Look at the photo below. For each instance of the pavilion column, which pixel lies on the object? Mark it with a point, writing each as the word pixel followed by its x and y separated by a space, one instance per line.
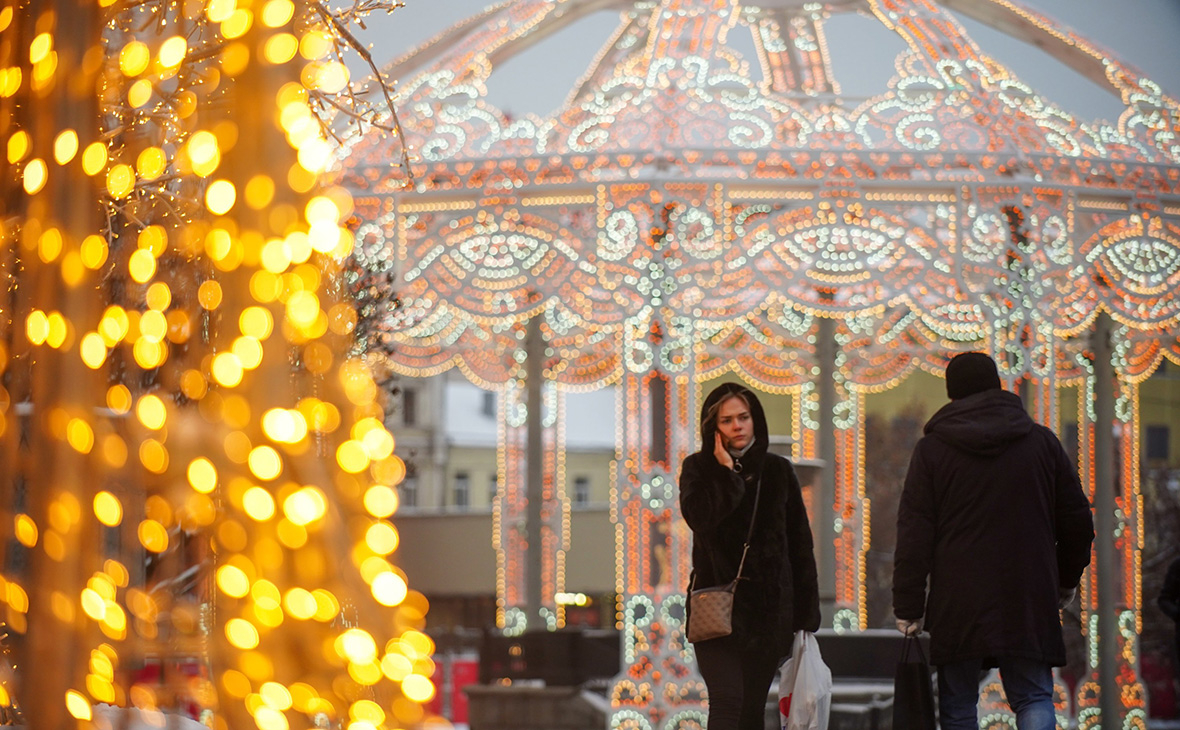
pixel 530 531
pixel 824 518
pixel 1104 492
pixel 1112 696
pixel 657 687
pixel 535 482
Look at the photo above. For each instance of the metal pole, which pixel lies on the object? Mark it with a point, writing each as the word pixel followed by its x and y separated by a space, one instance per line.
pixel 825 515
pixel 1104 524
pixel 535 352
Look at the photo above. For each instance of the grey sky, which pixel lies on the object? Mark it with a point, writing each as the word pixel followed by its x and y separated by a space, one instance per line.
pixel 1141 32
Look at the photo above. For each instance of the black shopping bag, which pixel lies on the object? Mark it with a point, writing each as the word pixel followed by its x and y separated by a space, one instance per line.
pixel 913 695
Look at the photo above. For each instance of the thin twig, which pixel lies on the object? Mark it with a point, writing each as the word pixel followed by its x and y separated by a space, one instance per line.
pixel 368 57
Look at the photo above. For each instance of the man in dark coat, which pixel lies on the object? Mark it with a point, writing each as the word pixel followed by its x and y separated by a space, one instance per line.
pixel 992 513
pixel 778 593
pixel 1169 601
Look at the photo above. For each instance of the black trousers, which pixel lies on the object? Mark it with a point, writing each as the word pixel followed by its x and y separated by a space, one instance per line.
pixel 738 683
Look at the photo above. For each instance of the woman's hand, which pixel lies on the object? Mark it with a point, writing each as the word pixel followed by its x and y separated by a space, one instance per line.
pixel 723 457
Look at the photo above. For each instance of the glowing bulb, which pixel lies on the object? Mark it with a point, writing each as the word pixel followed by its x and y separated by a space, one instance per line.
pixel 265 463
pixel 94 158
pixel 119 399
pixel 78 705
pixel 35 176
pixel 418 688
pixel 241 633
pixel 25 530
pixel 300 603
pixel 305 506
pixel 280 48
pixel 380 501
pixel 356 645
pixel 134 58
pixel 209 295
pixel 202 475
pixel 19 145
pixel 233 581
pixel 108 509
pixel 120 181
pixel 220 197
pixel 277 12
pixel 65 146
pixel 351 457
pixel 153 536
pixel 142 265
pixel 151 412
pixel 93 350
pixel 389 589
pixel 258 504
pixel 172 51
pixel 227 369
pixel 381 538
pixel 151 163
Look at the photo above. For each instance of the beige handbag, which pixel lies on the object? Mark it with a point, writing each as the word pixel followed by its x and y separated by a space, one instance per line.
pixel 711 609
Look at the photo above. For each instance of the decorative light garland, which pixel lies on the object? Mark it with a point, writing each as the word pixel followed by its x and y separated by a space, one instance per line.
pixel 220 479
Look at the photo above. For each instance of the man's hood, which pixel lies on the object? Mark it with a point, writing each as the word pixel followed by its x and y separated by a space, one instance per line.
pixel 761 430
pixel 983 423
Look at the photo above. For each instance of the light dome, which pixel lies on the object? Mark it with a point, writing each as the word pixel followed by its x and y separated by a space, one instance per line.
pixel 770 201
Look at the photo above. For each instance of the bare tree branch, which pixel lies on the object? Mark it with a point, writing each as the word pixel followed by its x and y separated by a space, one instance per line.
pixel 363 52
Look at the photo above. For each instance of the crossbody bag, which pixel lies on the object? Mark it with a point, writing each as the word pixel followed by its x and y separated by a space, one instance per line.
pixel 711 609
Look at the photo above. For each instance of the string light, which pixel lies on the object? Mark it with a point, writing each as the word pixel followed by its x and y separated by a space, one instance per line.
pixel 208 450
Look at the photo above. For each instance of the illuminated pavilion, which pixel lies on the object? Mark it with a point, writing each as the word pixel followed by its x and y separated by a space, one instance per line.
pixel 676 220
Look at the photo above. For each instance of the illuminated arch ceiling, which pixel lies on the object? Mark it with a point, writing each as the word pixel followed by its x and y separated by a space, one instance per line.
pixel 674 210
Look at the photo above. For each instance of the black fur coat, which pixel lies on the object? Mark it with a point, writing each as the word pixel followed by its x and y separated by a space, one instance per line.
pixel 778 594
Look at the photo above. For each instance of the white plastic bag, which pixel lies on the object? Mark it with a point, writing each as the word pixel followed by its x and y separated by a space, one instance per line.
pixel 805 689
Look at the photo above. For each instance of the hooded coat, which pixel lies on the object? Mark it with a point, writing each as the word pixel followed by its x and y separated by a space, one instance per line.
pixel 993 513
pixel 779 593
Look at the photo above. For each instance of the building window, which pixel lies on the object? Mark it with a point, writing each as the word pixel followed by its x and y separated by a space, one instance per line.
pixel 1157 438
pixel 493 488
pixel 409 491
pixel 462 489
pixel 581 490
pixel 409 407
pixel 488 408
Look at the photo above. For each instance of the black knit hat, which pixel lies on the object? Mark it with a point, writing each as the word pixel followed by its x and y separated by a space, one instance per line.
pixel 970 373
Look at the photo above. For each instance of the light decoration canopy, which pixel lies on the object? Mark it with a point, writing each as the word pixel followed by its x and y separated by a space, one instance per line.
pixel 683 217
pixel 676 184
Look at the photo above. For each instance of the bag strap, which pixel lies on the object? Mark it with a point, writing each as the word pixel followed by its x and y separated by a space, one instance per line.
pixel 750 532
pixel 912 639
pixel 746 547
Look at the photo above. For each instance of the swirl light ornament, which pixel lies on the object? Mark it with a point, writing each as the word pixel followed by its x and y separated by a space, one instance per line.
pixel 691 212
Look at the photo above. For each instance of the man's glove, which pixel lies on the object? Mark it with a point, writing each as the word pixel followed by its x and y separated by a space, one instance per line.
pixel 1065 596
pixel 909 628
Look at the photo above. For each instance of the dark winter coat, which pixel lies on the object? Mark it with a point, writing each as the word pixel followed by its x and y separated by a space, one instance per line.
pixel 778 594
pixel 993 513
pixel 1169 598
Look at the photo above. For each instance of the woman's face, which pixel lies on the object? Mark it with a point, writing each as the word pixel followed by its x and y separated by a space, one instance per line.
pixel 734 423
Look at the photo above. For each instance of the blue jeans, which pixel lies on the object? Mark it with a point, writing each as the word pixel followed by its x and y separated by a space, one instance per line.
pixel 1028 686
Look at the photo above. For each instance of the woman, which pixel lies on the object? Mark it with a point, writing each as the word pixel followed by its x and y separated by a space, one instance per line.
pixel 778 594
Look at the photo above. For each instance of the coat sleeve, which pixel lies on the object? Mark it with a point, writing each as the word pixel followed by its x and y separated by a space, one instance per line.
pixel 1169 599
pixel 708 493
pixel 913 558
pixel 1074 522
pixel 801 552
